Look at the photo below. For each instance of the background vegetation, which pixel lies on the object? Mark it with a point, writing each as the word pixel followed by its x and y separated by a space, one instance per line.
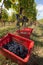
pixel 8 25
pixel 29 10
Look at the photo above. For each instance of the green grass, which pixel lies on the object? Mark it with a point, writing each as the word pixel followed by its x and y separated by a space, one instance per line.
pixel 4 31
pixel 4 61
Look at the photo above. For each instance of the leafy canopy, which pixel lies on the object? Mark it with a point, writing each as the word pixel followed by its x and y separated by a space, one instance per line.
pixel 29 7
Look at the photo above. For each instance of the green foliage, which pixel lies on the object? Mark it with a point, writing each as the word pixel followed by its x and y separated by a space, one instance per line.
pixel 0 0
pixel 13 17
pixel 7 4
pixel 9 18
pixel 15 7
pixel 12 1
pixel 4 15
pixel 29 7
pixel 11 4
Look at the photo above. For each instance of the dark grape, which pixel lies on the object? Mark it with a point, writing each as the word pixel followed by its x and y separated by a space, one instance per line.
pixel 17 16
pixel 16 48
pixel 25 19
pixel 7 46
pixel 21 9
pixel 10 48
pixel 21 49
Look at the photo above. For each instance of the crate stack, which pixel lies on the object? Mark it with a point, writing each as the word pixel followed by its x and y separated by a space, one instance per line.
pixel 22 37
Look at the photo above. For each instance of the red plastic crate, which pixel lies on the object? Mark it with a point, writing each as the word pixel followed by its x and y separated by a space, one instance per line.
pixel 26 32
pixel 26 42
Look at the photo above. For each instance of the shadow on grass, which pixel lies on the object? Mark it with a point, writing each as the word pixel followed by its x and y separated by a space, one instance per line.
pixel 36 40
pixel 35 60
pixel 36 35
pixel 38 43
pixel 41 26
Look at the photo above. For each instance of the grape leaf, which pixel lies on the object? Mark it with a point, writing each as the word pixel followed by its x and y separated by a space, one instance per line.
pixel 7 4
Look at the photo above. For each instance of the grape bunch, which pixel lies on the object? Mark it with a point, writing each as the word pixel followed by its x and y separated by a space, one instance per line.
pixel 25 19
pixel 21 9
pixel 17 49
pixel 17 16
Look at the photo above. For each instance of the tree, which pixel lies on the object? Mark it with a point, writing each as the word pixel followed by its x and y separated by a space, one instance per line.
pixel 29 8
pixel 13 17
pixel 4 16
pixel 9 19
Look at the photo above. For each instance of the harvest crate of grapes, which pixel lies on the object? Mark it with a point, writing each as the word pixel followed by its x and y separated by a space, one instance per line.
pixel 8 51
pixel 25 32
